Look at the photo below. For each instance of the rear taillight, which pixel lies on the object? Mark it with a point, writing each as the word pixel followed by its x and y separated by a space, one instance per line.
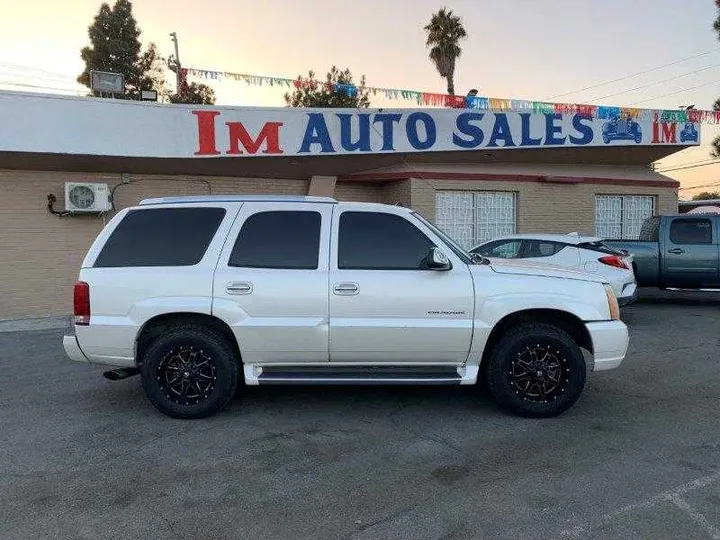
pixel 81 303
pixel 614 260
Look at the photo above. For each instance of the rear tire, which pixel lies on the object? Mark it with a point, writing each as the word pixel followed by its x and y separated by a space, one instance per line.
pixel 536 371
pixel 190 371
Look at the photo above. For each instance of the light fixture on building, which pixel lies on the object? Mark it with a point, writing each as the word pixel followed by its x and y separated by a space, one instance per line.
pixel 149 95
pixel 106 82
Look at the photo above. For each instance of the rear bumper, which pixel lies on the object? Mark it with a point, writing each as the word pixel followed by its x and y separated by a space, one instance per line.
pixel 72 349
pixel 629 295
pixel 610 343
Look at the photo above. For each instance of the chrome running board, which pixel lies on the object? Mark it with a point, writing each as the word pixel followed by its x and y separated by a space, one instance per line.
pixel 359 375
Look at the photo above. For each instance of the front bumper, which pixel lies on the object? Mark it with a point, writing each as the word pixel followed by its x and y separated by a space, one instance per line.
pixel 72 349
pixel 610 343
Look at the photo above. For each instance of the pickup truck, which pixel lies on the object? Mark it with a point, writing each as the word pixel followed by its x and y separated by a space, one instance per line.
pixel 676 252
pixel 202 295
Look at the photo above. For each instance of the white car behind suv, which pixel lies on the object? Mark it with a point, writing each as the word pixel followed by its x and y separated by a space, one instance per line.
pixel 583 253
pixel 201 294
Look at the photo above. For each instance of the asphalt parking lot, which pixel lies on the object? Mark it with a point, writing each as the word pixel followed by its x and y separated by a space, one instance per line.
pixel 637 457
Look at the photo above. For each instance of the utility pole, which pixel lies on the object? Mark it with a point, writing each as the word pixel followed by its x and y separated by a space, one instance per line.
pixel 174 63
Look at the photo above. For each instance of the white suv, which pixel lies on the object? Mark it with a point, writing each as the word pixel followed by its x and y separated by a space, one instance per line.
pixel 200 294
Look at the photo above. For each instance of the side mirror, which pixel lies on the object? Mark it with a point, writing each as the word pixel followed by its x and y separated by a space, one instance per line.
pixel 437 260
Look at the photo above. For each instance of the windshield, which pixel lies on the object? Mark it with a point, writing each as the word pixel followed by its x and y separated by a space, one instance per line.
pixel 452 244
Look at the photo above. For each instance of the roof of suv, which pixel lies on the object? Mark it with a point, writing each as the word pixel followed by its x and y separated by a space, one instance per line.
pixel 236 198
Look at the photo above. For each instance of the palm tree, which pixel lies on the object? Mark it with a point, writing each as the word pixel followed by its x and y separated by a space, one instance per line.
pixel 443 37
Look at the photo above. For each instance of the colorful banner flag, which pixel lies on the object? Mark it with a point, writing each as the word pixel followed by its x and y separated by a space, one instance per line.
pixel 471 102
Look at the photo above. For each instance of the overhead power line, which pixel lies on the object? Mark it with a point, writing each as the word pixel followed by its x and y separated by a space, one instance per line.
pixel 714 184
pixel 692 165
pixel 45 73
pixel 41 86
pixel 657 82
pixel 632 75
pixel 676 92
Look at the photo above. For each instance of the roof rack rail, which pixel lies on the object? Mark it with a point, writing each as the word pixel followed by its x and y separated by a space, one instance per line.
pixel 236 198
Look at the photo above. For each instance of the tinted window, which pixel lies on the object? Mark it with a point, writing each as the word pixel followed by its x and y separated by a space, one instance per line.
pixel 691 231
pixel 278 240
pixel 649 232
pixel 375 241
pixel 540 248
pixel 161 237
pixel 507 249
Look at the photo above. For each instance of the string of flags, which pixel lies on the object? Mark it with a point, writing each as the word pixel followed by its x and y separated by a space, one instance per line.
pixel 469 102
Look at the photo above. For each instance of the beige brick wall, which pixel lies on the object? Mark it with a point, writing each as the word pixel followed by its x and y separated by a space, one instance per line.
pixel 398 192
pixel 359 191
pixel 40 254
pixel 553 208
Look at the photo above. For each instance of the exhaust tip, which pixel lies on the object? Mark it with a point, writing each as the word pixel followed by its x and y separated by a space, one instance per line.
pixel 120 373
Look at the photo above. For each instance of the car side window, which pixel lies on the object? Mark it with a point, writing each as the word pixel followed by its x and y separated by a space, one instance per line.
pixel 379 241
pixel 509 249
pixel 691 231
pixel 161 237
pixel 283 239
pixel 541 248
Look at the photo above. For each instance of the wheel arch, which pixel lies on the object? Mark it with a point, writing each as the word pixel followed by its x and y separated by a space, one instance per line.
pixel 157 325
pixel 566 321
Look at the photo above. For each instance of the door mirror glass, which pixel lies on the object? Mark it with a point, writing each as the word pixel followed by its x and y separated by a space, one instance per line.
pixel 437 260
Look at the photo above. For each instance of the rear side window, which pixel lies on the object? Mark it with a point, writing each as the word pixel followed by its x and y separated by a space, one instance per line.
pixel 541 248
pixel 691 231
pixel 161 237
pixel 649 232
pixel 278 240
pixel 377 241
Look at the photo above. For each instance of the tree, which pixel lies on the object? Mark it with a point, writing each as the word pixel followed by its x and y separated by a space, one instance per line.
pixel 706 195
pixel 195 94
pixel 444 33
pixel 309 92
pixel 115 46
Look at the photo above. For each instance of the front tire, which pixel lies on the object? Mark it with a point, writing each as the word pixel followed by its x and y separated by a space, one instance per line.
pixel 190 371
pixel 536 371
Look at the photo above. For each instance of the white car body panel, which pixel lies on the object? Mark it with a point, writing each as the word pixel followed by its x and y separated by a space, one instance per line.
pixel 285 316
pixel 122 300
pixel 400 315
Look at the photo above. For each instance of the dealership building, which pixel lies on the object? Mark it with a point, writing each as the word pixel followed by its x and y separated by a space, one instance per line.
pixel 67 164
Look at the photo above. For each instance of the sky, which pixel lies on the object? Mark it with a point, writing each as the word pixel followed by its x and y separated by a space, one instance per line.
pixel 522 49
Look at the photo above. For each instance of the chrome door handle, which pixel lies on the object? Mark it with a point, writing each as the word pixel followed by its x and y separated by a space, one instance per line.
pixel 346 288
pixel 676 251
pixel 239 287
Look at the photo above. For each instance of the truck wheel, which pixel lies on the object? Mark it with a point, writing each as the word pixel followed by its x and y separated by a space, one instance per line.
pixel 536 370
pixel 190 371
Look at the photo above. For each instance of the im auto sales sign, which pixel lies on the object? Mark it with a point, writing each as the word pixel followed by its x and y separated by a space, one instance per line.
pixel 64 125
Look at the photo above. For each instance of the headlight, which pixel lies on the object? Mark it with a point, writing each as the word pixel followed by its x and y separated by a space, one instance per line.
pixel 612 302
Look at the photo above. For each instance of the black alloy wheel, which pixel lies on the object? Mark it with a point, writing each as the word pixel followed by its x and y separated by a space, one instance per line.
pixel 536 370
pixel 190 371
pixel 187 375
pixel 539 373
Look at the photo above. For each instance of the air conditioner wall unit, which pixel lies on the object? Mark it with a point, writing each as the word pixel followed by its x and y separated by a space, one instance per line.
pixel 84 197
